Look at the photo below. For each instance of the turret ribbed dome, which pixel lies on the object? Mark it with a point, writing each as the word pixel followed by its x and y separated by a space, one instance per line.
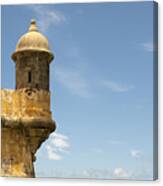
pixel 33 40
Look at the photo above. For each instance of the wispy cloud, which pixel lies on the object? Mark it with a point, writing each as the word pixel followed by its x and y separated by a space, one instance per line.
pixel 120 173
pixel 115 86
pixel 73 81
pixel 117 173
pixel 96 173
pixel 58 143
pixel 52 154
pixel 91 173
pixel 149 46
pixel 135 153
pixel 47 17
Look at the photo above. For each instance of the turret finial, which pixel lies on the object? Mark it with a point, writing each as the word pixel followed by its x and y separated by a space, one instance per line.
pixel 33 26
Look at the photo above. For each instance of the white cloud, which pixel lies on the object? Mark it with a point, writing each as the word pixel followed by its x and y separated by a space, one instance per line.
pixel 47 17
pixel 120 173
pixel 149 47
pixel 135 153
pixel 96 173
pixel 58 143
pixel 73 81
pixel 52 153
pixel 116 87
pixel 117 173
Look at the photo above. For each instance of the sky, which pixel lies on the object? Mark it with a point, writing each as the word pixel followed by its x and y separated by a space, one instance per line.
pixel 101 84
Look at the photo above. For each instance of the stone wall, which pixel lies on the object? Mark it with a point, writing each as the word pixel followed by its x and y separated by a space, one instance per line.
pixel 26 123
pixel 25 103
pixel 33 64
pixel 16 156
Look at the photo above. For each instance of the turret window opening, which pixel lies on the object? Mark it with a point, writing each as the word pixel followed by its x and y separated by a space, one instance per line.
pixel 29 77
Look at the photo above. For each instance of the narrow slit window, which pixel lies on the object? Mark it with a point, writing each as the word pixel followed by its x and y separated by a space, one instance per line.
pixel 29 77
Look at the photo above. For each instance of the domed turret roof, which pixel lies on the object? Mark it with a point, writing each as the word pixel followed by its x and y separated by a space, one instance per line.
pixel 33 40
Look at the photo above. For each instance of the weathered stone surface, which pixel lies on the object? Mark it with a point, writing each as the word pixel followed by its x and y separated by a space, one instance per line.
pixel 16 159
pixel 25 103
pixel 33 64
pixel 26 123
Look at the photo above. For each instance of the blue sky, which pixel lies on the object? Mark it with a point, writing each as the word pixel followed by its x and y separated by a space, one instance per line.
pixel 101 83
